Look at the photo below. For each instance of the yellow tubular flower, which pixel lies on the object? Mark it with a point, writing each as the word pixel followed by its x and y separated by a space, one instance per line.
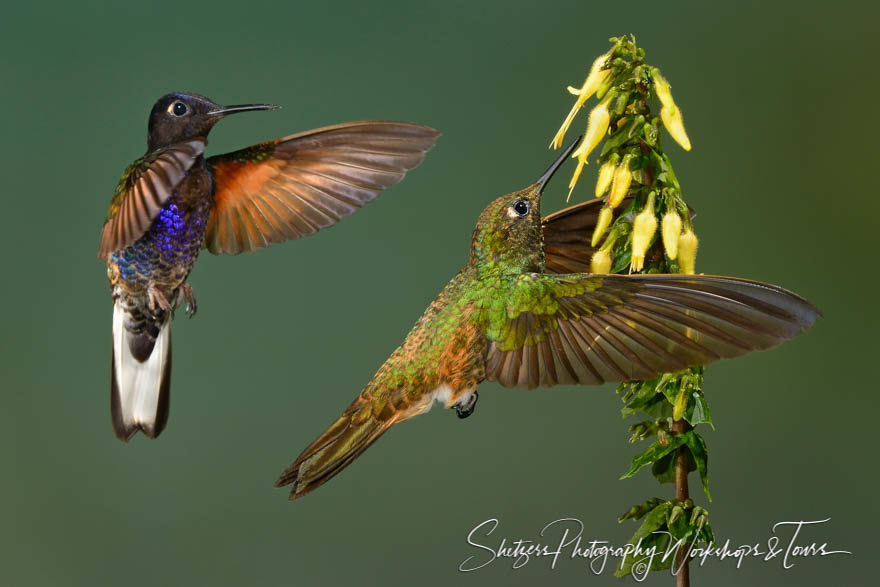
pixel 620 185
pixel 669 112
pixel 644 227
pixel 595 78
pixel 662 89
pixel 602 224
pixel 596 129
pixel 575 176
pixel 606 173
pixel 687 251
pixel 671 118
pixel 671 229
pixel 601 261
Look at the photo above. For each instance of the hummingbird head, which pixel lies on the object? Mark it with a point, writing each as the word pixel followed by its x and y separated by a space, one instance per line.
pixel 180 116
pixel 508 235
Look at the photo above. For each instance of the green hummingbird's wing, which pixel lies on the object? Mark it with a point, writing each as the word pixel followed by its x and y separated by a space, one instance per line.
pixel 145 186
pixel 295 186
pixel 592 329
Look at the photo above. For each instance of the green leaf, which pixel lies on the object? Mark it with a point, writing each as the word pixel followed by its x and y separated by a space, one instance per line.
pixel 638 392
pixel 697 447
pixel 653 453
pixel 622 259
pixel 664 469
pixel 706 535
pixel 643 395
pixel 657 407
pixel 680 527
pixel 669 385
pixel 697 411
pixel 655 521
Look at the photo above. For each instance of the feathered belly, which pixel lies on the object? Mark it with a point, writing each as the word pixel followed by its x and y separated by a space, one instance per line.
pixel 165 255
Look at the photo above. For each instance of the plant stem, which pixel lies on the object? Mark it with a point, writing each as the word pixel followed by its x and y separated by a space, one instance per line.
pixel 682 578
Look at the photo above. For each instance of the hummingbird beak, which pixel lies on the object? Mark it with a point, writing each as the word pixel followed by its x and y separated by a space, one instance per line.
pixel 227 110
pixel 556 165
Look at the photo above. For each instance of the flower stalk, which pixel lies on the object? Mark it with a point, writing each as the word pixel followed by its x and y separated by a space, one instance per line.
pixel 641 194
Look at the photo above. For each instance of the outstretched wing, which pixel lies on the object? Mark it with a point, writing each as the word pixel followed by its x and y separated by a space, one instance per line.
pixel 144 188
pixel 295 186
pixel 592 329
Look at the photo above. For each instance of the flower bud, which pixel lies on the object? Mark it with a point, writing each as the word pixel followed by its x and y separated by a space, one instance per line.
pixel 606 85
pixel 671 118
pixel 669 112
pixel 601 261
pixel 680 404
pixel 596 129
pixel 606 173
pixel 687 251
pixel 644 227
pixel 620 184
pixel 671 229
pixel 602 224
pixel 662 437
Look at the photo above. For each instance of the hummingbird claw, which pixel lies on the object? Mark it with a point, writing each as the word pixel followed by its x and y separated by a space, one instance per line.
pixel 189 297
pixel 465 409
pixel 157 299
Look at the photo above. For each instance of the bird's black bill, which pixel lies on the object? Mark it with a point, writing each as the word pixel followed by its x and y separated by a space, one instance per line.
pixel 557 164
pixel 226 110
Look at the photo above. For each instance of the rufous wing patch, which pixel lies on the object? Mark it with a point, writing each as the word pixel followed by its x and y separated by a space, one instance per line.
pixel 295 186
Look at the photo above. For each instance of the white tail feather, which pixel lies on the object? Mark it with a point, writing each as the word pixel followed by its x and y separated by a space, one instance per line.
pixel 139 385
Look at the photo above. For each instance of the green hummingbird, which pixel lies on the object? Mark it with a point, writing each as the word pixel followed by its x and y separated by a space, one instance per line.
pixel 517 314
pixel 174 201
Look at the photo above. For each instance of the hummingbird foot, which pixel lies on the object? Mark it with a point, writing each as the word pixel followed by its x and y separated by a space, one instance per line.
pixel 466 405
pixel 157 299
pixel 189 297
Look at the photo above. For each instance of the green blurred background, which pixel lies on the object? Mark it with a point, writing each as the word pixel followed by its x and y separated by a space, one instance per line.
pixel 780 103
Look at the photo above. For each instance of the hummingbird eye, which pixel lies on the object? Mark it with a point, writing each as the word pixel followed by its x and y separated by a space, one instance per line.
pixel 178 109
pixel 521 207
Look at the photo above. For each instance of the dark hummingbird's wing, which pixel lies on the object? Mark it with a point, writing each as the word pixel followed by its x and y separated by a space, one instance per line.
pixel 144 188
pixel 295 186
pixel 591 329
pixel 567 236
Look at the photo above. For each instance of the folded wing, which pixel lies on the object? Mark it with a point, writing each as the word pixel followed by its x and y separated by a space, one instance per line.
pixel 145 187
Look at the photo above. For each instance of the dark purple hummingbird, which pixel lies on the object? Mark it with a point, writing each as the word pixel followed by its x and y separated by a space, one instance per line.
pixel 173 201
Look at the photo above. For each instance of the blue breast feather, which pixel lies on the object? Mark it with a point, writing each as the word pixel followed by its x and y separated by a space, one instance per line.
pixel 168 250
